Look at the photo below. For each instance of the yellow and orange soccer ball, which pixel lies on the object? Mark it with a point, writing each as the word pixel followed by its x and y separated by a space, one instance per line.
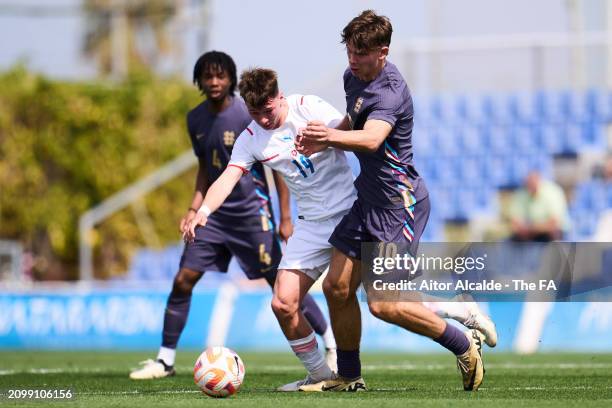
pixel 218 372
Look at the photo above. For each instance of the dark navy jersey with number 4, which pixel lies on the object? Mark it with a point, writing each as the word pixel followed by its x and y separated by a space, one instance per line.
pixel 388 178
pixel 248 207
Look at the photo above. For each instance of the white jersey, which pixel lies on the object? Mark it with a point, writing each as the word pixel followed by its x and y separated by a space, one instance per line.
pixel 322 184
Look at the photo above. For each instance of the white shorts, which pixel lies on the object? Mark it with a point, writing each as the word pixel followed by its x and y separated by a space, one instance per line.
pixel 308 249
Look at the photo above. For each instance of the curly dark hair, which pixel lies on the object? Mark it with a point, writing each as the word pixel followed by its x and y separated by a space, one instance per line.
pixel 215 60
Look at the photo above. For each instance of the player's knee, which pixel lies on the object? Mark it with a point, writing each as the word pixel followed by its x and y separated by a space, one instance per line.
pixel 379 309
pixel 183 283
pixel 283 308
pixel 335 292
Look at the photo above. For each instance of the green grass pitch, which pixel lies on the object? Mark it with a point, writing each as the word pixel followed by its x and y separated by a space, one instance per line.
pixel 100 379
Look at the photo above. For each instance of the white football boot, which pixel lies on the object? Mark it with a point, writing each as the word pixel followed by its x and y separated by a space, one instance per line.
pixel 481 322
pixel 295 386
pixel 152 369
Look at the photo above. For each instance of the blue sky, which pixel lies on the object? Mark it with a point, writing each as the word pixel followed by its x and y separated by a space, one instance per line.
pixel 298 39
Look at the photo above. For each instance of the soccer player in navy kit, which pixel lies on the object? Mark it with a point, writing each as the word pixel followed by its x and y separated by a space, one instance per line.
pixel 392 204
pixel 243 227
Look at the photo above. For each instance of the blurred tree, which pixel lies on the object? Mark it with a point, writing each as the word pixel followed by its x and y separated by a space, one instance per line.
pixel 114 28
pixel 65 147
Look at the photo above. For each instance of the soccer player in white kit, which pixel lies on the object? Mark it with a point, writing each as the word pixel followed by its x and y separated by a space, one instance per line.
pixel 322 185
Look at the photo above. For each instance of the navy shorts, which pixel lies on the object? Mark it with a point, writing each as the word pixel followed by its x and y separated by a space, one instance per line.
pixel 365 223
pixel 258 253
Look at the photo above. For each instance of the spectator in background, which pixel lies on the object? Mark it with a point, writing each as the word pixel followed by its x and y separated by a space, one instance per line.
pixel 538 212
pixel 604 171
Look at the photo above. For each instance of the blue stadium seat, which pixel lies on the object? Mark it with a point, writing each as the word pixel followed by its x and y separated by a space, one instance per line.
pixel 496 109
pixel 591 196
pixel 447 172
pixel 445 140
pixel 426 166
pixel 498 171
pixel 583 224
pixel 476 109
pixel 470 139
pixel 442 109
pixel 526 107
pixel 497 140
pixel 599 104
pixel 572 137
pixel 523 139
pixel 422 112
pixel 572 104
pixel 423 140
pixel 470 171
pixel 550 138
pixel 594 136
pixel 434 230
pixel 441 204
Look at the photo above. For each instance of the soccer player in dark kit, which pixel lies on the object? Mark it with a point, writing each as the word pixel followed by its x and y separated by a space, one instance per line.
pixel 392 206
pixel 243 227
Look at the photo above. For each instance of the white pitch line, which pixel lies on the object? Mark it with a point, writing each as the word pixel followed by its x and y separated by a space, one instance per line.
pixel 137 392
pixel 367 367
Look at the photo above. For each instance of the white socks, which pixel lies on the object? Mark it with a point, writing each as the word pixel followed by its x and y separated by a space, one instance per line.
pixel 307 351
pixel 456 310
pixel 329 339
pixel 167 355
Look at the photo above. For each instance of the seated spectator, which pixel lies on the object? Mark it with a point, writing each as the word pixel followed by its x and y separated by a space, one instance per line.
pixel 604 170
pixel 538 212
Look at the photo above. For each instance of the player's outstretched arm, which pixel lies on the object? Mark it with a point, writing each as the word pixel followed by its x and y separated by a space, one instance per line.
pixel 367 140
pixel 215 196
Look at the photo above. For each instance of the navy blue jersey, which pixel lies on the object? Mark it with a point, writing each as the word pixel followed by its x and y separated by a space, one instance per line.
pixel 248 207
pixel 388 178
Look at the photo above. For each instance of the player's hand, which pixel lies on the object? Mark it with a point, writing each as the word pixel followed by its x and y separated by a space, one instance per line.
pixel 316 131
pixel 308 147
pixel 184 224
pixel 285 229
pixel 199 219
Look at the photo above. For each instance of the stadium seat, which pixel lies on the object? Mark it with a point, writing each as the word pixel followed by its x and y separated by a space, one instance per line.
pixel 526 107
pixel 599 104
pixel 496 140
pixel 550 138
pixel 470 139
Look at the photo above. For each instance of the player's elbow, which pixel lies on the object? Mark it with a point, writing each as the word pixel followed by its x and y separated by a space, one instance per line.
pixel 372 145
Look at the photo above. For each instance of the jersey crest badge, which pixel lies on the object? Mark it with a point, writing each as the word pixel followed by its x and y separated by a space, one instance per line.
pixel 358 104
pixel 229 138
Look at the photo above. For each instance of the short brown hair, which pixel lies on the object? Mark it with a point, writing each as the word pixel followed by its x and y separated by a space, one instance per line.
pixel 257 85
pixel 368 31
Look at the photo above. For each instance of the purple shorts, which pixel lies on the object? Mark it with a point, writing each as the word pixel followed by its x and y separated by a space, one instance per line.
pixel 258 253
pixel 365 223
